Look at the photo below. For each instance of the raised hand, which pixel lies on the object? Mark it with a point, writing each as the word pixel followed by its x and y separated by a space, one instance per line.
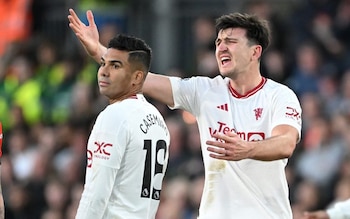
pixel 88 35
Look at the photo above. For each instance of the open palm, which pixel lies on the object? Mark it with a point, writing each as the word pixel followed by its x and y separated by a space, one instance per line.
pixel 88 35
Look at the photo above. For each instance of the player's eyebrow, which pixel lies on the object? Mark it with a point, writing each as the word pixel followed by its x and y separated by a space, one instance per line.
pixel 115 61
pixel 112 61
pixel 225 39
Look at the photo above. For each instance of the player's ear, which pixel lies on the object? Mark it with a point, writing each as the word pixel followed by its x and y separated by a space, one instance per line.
pixel 139 77
pixel 257 51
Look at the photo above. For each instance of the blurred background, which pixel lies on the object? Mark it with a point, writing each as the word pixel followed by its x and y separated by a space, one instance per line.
pixel 49 97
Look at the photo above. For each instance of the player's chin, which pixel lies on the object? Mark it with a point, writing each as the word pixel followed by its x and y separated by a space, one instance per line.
pixel 225 72
pixel 103 90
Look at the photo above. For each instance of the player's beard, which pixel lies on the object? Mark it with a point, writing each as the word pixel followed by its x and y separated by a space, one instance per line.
pixel 229 73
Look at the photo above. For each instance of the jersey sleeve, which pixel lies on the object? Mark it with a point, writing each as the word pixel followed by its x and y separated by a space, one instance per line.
pixel 185 93
pixel 107 145
pixel 109 148
pixel 108 139
pixel 287 109
pixel 341 210
pixel 93 205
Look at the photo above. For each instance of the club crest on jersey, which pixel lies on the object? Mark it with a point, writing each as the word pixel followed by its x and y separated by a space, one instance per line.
pixel 258 113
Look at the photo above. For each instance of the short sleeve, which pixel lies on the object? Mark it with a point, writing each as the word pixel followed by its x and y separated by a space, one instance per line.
pixel 287 109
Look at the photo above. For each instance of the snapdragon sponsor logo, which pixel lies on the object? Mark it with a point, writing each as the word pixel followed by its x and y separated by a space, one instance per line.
pixel 293 113
pixel 101 152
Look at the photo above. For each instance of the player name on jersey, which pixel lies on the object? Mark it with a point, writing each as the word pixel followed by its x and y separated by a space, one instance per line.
pixel 149 121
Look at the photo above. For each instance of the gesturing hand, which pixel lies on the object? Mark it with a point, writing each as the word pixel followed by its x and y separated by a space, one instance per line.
pixel 228 147
pixel 88 35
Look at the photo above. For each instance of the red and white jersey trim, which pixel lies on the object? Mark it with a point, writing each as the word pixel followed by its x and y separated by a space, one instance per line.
pixel 249 93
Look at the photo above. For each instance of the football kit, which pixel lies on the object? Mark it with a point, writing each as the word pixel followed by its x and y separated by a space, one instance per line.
pixel 127 155
pixel 340 210
pixel 248 188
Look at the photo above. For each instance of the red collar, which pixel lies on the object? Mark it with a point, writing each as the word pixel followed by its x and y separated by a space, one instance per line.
pixel 249 93
pixel 133 97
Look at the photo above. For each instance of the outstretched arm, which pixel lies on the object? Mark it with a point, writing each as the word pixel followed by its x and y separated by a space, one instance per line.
pixel 159 88
pixel 87 35
pixel 156 86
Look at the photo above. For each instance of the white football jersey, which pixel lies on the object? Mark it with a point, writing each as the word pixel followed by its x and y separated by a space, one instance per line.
pixel 127 158
pixel 248 188
pixel 340 210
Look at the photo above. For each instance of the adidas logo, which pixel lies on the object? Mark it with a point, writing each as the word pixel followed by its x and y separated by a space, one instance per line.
pixel 223 107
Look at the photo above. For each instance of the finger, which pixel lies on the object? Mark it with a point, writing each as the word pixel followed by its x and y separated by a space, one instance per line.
pixel 217 144
pixel 219 151
pixel 228 136
pixel 74 28
pixel 219 156
pixel 73 18
pixel 72 12
pixel 74 22
pixel 90 17
pixel 224 137
pixel 231 134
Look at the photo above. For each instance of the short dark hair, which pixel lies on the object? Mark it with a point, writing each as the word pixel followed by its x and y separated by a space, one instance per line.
pixel 139 52
pixel 258 30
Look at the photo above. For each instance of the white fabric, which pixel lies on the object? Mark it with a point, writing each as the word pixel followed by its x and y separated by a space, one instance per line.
pixel 126 136
pixel 248 189
pixel 341 210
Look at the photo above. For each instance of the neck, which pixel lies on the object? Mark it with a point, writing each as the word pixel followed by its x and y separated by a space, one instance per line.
pixel 245 84
pixel 124 97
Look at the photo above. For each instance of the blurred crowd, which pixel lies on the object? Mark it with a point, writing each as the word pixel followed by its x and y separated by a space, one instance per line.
pixel 48 103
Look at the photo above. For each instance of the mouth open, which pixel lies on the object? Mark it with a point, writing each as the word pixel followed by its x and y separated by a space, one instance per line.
pixel 225 60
